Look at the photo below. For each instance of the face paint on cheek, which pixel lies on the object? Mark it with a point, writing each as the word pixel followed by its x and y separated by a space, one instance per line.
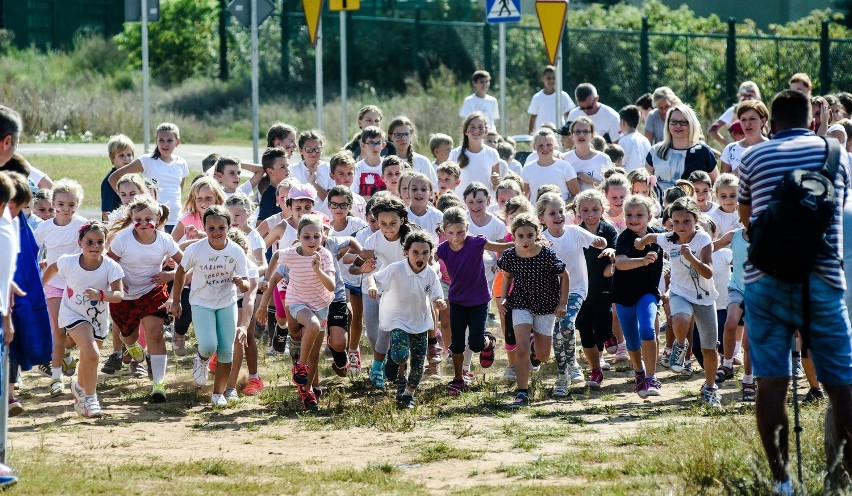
pixel 143 224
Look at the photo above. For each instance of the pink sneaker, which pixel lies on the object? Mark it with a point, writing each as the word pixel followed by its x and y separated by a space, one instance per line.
pixel 211 364
pixel 253 386
pixel 595 379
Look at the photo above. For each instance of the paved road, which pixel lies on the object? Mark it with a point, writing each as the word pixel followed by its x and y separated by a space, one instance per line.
pixel 193 154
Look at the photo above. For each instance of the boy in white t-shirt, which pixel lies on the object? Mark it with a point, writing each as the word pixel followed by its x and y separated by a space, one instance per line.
pixel 342 172
pixel 480 100
pixel 635 145
pixel 542 106
pixel 227 173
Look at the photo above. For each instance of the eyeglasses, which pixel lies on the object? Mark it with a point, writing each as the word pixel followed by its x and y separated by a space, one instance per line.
pixel 476 129
pixel 402 136
pixel 374 144
pixel 679 123
pixel 335 206
pixel 581 132
pixel 313 149
pixel 590 107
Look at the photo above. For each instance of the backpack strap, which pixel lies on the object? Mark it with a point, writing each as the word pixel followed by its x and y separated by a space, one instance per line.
pixel 832 159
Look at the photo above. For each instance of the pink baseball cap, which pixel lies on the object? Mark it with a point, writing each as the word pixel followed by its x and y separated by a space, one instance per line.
pixel 302 192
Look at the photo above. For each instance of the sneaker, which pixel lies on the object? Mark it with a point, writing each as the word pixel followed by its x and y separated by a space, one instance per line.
pixel 576 373
pixel 158 392
pixel 652 386
pixel 640 385
pixel 687 369
pixel 212 363
pixel 77 392
pixel 405 402
pixel 522 399
pixel 486 356
pixel 56 388
pixel 800 370
pixel 199 371
pixel 231 395
pixel 340 371
pixel 309 399
pixel 377 375
pixel 456 388
pixel 45 369
pixel 294 346
pixel 724 373
pixel 738 358
pixel 815 395
pixel 433 370
pixel 300 374
pixel 15 407
pixel 749 392
pixel 604 365
pixel 179 345
pixel 595 379
pixel 435 352
pixel 611 345
pixel 138 369
pixel 400 384
pixel 253 386
pixel 533 359
pixel 621 353
pixel 678 356
pixel 89 407
pixel 278 342
pixel 665 358
pixel 218 400
pixel 69 368
pixel 534 367
pixel 710 396
pixel 509 374
pixel 135 352
pixel 113 363
pixel 560 388
pixel 354 362
pixel 168 333
pixel 468 377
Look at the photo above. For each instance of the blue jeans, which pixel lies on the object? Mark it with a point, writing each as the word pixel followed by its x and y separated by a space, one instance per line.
pixel 775 312
pixel 637 321
pixel 215 330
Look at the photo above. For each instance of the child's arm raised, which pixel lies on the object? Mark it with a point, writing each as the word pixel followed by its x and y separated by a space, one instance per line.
pixel 135 166
pixel 641 243
pixel 326 279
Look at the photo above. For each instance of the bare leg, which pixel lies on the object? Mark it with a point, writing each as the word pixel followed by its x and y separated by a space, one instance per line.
pixel 773 425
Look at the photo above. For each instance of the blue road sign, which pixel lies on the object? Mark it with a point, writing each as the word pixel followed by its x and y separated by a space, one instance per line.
pixel 502 11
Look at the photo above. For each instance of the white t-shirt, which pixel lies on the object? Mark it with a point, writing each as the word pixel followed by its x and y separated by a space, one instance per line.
pixel 359 207
pixel 168 176
pixel 141 262
pixel 558 173
pixel 686 282
pixel 368 179
pixel 722 262
pixel 299 172
pixel 35 175
pixel 429 221
pixel 253 274
pixel 255 241
pixel 543 107
pixel 406 297
pixel 729 117
pixel 353 225
pixel 606 121
pixel 424 166
pixel 9 248
pixel 58 241
pixel 725 222
pixel 213 271
pixel 478 168
pixel 246 188
pixel 75 306
pixel 386 252
pixel 593 166
pixel 361 236
pixel 487 105
pixel 733 154
pixel 569 249
pixel 636 147
pixel 494 230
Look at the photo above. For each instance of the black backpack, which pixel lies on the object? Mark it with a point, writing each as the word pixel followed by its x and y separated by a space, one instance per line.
pixel 797 217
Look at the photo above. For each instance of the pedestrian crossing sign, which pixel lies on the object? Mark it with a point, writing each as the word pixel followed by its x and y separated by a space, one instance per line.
pixel 503 11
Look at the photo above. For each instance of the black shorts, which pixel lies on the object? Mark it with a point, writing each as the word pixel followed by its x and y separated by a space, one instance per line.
pixel 240 303
pixel 338 315
pixel 80 322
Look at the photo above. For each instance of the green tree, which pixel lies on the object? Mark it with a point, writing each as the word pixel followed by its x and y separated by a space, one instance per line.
pixel 183 43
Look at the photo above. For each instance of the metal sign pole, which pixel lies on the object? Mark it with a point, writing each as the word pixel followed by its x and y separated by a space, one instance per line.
pixel 343 77
pixel 559 117
pixel 255 97
pixel 503 79
pixel 146 74
pixel 318 75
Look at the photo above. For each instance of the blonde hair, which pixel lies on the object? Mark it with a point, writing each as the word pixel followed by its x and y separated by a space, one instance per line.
pixel 134 179
pixel 640 201
pixel 694 129
pixel 70 187
pixel 166 127
pixel 510 184
pixel 591 195
pixel 454 215
pixel 189 206
pixel 546 200
pixel 140 203
pixel 242 201
pixel 616 179
pixel 309 220
pixel 117 143
pixel 239 238
pixel 726 180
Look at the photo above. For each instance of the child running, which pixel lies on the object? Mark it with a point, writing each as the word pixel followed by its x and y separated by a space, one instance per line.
pixel 90 282
pixel 409 287
pixel 141 252
pixel 60 236
pixel 219 268
pixel 535 290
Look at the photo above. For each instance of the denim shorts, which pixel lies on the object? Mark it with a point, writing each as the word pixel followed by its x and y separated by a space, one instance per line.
pixel 542 324
pixel 775 312
pixel 321 314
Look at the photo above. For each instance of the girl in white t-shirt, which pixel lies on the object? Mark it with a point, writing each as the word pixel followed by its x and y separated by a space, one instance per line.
pixel 312 169
pixel 168 169
pixel 90 282
pixel 726 215
pixel 401 132
pixel 547 169
pixel 703 186
pixel 59 236
pixel 128 187
pixel 588 163
pixel 282 192
pixel 392 169
pixel 478 162
pixel 568 242
pixel 692 293
pixel 141 252
pixel 219 271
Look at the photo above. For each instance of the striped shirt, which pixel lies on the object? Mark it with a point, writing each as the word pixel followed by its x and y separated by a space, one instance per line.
pixel 763 167
pixel 305 287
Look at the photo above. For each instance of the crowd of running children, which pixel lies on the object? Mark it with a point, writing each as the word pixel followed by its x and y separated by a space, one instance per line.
pixel 426 254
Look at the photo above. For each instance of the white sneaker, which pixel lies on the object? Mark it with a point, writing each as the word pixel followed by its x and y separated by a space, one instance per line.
pixel 509 374
pixel 576 374
pixel 218 400
pixel 534 368
pixel 231 395
pixel 89 407
pixel 560 389
pixel 199 371
pixel 605 365
pixel 168 333
pixel 78 392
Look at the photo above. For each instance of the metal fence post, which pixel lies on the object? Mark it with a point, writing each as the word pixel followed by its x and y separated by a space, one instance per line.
pixel 486 47
pixel 824 60
pixel 223 40
pixel 285 42
pixel 564 56
pixel 731 59
pixel 643 56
